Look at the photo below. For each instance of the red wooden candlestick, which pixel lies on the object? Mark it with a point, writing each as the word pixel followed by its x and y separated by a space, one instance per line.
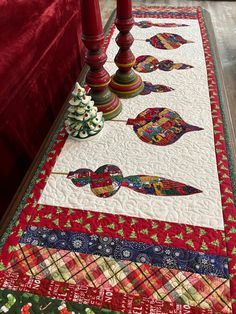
pixel 97 78
pixel 125 83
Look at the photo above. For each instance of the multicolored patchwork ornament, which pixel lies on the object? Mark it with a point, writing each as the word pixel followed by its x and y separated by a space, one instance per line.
pixel 108 179
pixel 160 126
pixel 147 64
pixel 167 41
pixel 147 24
pixel 156 88
pixel 83 120
pixel 169 65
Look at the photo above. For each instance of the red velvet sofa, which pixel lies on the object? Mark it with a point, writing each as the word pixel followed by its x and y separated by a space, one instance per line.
pixel 41 55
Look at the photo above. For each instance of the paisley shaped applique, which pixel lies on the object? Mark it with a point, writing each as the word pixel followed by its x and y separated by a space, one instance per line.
pixel 160 126
pixel 148 63
pixel 107 180
pixel 156 88
pixel 158 186
pixel 147 24
pixel 167 41
pixel 169 65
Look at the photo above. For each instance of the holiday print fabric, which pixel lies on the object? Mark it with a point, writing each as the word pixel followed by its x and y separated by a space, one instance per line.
pixel 91 234
pixel 128 250
pixel 26 303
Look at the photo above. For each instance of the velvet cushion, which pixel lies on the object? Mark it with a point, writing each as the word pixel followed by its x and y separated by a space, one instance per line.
pixel 41 55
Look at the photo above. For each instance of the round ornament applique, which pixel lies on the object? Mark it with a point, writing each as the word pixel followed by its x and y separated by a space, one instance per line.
pixel 160 126
pixel 146 64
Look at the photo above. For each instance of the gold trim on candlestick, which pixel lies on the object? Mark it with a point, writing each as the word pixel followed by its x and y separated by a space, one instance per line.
pixel 98 85
pixel 125 65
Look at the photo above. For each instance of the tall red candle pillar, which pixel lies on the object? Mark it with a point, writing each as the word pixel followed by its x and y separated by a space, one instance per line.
pixel 125 83
pixel 97 78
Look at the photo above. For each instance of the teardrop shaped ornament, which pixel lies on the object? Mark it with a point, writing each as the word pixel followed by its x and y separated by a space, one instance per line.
pixel 167 41
pixel 155 88
pixel 160 126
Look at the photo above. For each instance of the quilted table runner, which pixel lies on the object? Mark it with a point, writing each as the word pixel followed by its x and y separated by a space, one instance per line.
pixel 141 218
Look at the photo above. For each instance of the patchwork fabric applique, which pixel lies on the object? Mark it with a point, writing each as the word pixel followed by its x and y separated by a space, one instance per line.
pixel 147 24
pixel 167 41
pixel 169 65
pixel 108 179
pixel 148 63
pixel 156 88
pixel 160 126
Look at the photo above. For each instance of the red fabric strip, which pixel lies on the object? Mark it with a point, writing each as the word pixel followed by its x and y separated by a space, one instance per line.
pixel 93 296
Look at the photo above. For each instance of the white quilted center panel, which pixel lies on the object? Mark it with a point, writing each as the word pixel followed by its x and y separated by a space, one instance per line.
pixel 190 160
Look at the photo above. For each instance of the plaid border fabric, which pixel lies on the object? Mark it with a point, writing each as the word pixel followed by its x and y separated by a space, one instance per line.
pixel 122 276
pixel 126 303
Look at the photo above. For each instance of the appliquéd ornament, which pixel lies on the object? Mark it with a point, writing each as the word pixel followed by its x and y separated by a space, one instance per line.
pixel 160 126
pixel 108 179
pixel 83 119
pixel 155 88
pixel 167 41
pixel 148 63
pixel 147 24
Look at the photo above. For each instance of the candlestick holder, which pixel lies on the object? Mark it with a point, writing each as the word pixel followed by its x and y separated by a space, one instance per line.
pixel 125 82
pixel 97 77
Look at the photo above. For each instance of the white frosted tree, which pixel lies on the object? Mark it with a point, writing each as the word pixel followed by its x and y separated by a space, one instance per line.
pixel 83 120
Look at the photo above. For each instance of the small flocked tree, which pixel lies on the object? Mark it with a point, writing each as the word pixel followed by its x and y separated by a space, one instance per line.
pixel 83 120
